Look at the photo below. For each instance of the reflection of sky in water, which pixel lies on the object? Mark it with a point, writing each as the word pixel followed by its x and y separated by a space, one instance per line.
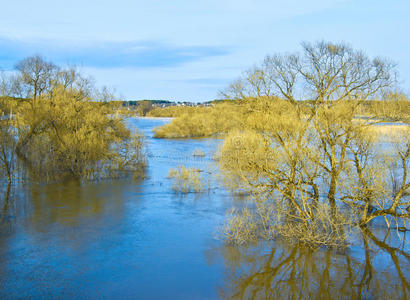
pixel 137 239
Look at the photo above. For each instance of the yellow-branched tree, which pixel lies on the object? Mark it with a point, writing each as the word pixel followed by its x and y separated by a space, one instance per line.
pixel 65 134
pixel 314 166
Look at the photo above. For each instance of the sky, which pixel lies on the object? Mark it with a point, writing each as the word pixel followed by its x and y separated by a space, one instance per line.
pixel 184 50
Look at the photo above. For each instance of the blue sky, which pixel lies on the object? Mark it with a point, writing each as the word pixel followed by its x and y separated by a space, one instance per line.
pixel 189 50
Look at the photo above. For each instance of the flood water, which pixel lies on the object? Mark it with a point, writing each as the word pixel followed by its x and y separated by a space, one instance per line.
pixel 137 239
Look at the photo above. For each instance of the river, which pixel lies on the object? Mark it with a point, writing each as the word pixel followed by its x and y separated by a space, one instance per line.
pixel 137 239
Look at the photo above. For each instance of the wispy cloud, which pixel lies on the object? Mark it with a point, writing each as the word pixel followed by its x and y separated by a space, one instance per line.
pixel 189 50
pixel 132 54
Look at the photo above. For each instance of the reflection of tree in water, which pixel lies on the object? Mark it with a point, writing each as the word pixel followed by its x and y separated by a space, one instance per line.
pixel 66 203
pixel 6 215
pixel 63 203
pixel 295 272
pixel 70 202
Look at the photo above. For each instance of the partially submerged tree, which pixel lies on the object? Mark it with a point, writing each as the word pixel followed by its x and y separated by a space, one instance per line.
pixel 64 136
pixel 59 131
pixel 297 156
pixel 7 146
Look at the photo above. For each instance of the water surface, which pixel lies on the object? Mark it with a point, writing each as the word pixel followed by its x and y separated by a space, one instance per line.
pixel 137 239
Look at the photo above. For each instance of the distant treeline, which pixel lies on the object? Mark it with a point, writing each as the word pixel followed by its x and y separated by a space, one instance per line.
pixel 130 103
pixel 138 102
pixel 388 110
pixel 391 109
pixel 162 108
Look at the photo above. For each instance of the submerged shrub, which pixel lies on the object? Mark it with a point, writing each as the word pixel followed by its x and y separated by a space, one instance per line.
pixel 186 180
pixel 198 153
pixel 270 221
pixel 64 134
pixel 323 229
pixel 241 227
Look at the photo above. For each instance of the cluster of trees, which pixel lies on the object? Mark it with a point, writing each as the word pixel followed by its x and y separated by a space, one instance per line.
pixel 315 168
pixel 311 175
pixel 301 139
pixel 202 121
pixel 35 77
pixel 56 130
pixel 172 111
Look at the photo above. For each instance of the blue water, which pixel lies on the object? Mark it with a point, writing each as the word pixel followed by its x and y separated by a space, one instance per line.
pixel 137 239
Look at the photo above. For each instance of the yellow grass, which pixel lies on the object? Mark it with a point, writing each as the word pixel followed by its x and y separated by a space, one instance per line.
pixel 389 130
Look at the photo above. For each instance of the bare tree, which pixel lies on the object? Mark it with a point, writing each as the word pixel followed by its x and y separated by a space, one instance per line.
pixel 105 94
pixel 70 78
pixel 5 84
pixel 37 74
pixel 11 85
pixel 323 71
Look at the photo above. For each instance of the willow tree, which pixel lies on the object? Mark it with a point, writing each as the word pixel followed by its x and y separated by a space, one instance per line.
pixel 68 135
pixel 301 155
